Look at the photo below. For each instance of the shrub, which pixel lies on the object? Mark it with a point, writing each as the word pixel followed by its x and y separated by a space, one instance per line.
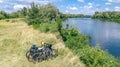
pixel 91 56
pixel 42 14
pixel 2 17
pixel 95 57
pixel 36 26
pixel 47 27
pixel 7 20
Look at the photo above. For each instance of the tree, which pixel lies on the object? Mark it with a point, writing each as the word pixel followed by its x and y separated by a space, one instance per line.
pixel 33 14
pixel 3 15
pixel 24 11
pixel 42 14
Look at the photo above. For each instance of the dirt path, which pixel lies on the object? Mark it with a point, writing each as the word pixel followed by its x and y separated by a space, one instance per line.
pixel 17 38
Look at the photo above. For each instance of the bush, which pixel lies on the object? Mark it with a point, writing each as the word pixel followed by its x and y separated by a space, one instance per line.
pixel 47 27
pixel 7 20
pixel 95 57
pixel 59 24
pixel 42 14
pixel 36 26
pixel 2 17
pixel 91 56
pixel 74 32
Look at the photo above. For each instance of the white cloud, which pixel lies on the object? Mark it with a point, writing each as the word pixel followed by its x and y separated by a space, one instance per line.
pixel 40 1
pixel 1 1
pixel 107 9
pixel 14 5
pixel 88 6
pixel 89 3
pixel 115 1
pixel 86 9
pixel 80 0
pixel 73 8
pixel 19 6
pixel 66 11
pixel 117 8
pixel 108 3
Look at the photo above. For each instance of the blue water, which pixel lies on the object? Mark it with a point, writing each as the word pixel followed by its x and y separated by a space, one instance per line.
pixel 106 34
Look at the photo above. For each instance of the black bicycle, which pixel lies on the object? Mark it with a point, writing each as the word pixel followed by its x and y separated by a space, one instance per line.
pixel 38 54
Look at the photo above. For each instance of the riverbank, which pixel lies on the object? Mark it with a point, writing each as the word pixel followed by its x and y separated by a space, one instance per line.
pixel 90 56
pixel 79 45
pixel 16 39
pixel 103 33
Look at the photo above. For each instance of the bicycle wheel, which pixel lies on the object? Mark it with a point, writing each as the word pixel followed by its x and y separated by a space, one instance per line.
pixel 28 56
pixel 41 58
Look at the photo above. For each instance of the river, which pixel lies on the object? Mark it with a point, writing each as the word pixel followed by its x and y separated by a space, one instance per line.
pixel 106 34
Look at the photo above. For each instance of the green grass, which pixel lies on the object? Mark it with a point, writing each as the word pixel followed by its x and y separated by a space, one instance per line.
pixel 45 27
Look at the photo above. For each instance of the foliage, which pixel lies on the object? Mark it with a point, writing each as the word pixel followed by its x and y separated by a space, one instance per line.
pixel 15 15
pixel 95 57
pixel 3 15
pixel 18 14
pixel 59 24
pixel 24 11
pixel 42 14
pixel 91 56
pixel 77 16
pixel 46 18
pixel 109 16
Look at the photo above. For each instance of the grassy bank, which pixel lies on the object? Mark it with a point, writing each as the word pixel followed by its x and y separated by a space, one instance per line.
pixel 90 56
pixel 16 38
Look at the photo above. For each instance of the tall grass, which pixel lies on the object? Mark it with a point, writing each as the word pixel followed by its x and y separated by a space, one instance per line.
pixel 17 38
pixel 46 27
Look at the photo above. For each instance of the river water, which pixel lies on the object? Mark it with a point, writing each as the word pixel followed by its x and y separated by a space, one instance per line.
pixel 106 34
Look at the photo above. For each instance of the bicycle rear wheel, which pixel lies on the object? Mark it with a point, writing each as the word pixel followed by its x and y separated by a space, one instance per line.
pixel 28 56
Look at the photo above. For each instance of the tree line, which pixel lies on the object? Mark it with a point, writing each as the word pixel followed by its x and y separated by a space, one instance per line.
pixel 108 16
pixel 18 14
pixel 77 16
pixel 47 12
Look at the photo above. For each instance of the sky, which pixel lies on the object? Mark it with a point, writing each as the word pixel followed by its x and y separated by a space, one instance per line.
pixel 87 7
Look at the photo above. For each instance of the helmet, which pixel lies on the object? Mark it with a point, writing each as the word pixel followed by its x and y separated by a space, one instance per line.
pixel 42 42
pixel 33 45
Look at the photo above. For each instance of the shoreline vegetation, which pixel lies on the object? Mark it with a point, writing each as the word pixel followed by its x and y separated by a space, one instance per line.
pixel 48 19
pixel 107 16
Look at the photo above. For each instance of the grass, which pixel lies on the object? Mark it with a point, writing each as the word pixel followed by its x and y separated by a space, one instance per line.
pixel 46 27
pixel 16 38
